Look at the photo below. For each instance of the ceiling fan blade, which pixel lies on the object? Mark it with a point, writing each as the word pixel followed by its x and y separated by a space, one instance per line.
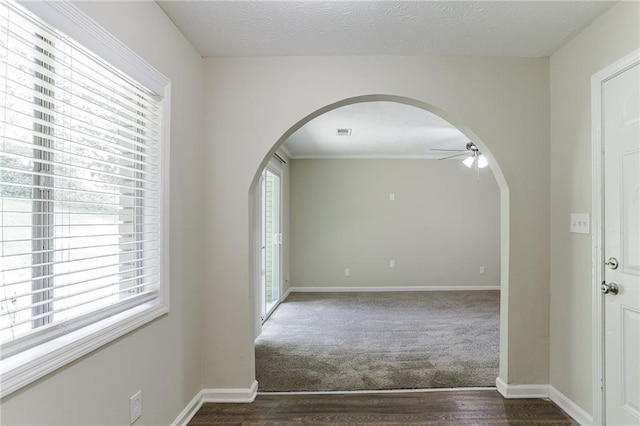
pixel 450 150
pixel 451 156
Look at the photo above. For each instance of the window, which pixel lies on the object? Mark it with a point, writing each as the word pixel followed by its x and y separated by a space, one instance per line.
pixel 83 198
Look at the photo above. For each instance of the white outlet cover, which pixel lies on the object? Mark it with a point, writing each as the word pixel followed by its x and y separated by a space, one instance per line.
pixel 580 223
pixel 135 404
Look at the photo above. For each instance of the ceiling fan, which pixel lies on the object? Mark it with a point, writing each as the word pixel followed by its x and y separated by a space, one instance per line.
pixel 474 156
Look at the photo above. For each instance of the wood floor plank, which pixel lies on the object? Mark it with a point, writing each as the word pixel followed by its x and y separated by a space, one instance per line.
pixel 479 407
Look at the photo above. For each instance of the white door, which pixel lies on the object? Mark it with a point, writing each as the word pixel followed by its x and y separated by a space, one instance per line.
pixel 621 209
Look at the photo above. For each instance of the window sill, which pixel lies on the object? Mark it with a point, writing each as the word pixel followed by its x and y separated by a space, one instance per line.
pixel 28 366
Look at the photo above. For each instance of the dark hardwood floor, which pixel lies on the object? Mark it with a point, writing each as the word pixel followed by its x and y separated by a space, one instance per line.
pixel 473 407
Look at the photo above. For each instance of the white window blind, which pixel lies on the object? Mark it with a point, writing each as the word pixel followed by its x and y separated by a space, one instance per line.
pixel 81 186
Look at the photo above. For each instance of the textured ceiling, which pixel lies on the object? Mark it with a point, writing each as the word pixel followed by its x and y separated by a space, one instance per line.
pixel 368 27
pixel 379 129
pixel 310 28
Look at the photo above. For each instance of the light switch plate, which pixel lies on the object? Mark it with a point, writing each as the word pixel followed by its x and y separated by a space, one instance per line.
pixel 580 223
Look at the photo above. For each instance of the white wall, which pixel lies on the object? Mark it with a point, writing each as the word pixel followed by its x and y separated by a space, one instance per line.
pixel 163 358
pixel 443 225
pixel 609 38
pixel 251 102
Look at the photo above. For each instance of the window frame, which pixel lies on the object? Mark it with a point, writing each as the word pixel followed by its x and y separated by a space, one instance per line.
pixel 27 366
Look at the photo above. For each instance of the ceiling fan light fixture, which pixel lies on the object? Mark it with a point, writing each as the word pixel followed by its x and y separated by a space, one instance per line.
pixel 469 161
pixel 482 161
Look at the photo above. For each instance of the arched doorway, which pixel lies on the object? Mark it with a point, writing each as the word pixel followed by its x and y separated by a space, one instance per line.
pixel 504 198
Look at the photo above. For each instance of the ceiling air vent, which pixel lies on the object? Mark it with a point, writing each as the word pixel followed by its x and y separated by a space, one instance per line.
pixel 343 132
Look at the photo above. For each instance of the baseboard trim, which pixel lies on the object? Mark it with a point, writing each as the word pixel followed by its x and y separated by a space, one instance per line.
pixel 239 395
pixel 379 391
pixel 242 395
pixel 521 391
pixel 231 395
pixel 570 407
pixel 388 288
pixel 189 411
pixel 285 295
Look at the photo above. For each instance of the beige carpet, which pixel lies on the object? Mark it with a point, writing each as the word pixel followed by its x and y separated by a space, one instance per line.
pixel 386 340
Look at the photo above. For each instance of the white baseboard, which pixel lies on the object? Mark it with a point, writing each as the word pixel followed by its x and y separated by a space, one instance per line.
pixel 231 395
pixel 521 391
pixel 241 395
pixel 545 391
pixel 388 288
pixel 189 411
pixel 570 407
pixel 285 295
pixel 379 391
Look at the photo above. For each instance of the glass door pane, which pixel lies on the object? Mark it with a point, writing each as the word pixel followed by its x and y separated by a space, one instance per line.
pixel 272 240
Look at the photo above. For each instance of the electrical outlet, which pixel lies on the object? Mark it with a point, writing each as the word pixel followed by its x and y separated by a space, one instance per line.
pixel 482 270
pixel 392 263
pixel 347 272
pixel 135 403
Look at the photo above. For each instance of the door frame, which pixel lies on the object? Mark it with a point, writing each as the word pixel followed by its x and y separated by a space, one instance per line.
pixel 275 167
pixel 597 80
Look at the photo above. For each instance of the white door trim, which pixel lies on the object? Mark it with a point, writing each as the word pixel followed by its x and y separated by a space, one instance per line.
pixel 597 80
pixel 275 166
